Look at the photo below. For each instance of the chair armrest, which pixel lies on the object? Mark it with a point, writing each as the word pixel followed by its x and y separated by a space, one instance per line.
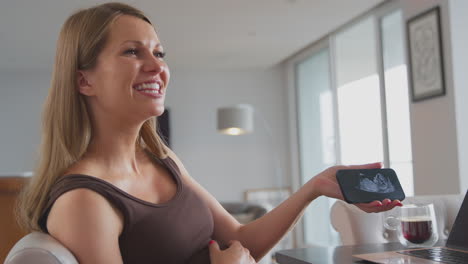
pixel 39 248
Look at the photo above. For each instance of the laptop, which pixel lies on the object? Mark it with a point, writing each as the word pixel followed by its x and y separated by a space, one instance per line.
pixel 455 250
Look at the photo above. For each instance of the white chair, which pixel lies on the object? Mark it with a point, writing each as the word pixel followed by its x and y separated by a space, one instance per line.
pixel 357 227
pixel 39 248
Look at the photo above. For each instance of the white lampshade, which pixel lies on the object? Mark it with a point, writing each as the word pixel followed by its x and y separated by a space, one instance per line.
pixel 236 120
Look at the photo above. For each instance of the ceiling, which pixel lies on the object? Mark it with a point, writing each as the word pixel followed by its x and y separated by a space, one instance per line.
pixel 205 34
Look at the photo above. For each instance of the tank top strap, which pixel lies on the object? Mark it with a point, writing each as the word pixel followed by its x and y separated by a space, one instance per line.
pixel 171 165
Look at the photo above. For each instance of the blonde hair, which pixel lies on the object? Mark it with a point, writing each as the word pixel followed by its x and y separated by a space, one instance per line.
pixel 66 126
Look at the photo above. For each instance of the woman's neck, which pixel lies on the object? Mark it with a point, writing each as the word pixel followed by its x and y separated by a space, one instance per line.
pixel 115 149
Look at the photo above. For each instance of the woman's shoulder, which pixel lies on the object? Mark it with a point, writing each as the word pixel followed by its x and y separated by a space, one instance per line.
pixel 81 201
pixel 84 206
pixel 71 194
pixel 80 195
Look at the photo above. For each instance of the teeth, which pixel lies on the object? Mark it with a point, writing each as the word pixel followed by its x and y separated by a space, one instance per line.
pixel 151 91
pixel 147 86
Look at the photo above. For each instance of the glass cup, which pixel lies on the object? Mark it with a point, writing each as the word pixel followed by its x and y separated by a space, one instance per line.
pixel 415 224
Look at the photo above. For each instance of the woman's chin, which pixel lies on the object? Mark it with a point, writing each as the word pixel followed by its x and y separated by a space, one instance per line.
pixel 158 111
pixel 154 112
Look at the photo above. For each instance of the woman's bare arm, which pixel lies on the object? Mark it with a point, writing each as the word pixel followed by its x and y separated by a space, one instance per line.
pixel 85 223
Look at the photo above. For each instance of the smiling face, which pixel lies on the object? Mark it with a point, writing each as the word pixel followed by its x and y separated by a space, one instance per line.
pixel 130 78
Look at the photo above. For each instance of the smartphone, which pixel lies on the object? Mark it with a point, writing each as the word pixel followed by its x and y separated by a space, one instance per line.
pixel 367 185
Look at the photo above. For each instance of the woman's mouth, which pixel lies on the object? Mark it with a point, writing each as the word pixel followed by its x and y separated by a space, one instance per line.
pixel 151 89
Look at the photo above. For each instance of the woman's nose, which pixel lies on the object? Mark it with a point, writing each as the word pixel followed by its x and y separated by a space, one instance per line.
pixel 154 64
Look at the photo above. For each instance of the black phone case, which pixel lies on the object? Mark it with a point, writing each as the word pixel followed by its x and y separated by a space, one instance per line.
pixel 367 185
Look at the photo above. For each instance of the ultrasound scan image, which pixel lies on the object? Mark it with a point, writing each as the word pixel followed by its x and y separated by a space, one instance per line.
pixel 378 184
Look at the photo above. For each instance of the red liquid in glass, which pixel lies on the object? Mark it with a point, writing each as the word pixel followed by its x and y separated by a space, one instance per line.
pixel 417 231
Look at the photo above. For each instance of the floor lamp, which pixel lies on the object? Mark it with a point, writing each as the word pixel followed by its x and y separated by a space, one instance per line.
pixel 236 120
pixel 239 120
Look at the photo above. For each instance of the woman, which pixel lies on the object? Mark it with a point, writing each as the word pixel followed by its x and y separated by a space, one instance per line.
pixel 107 187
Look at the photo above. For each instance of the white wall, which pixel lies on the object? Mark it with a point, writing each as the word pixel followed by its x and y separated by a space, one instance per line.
pixel 228 165
pixel 433 123
pixel 21 96
pixel 458 22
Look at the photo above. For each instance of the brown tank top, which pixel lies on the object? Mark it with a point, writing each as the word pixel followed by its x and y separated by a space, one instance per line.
pixel 177 231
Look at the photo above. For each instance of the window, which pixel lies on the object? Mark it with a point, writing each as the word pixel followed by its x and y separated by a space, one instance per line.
pixel 397 100
pixel 352 107
pixel 316 131
pixel 358 93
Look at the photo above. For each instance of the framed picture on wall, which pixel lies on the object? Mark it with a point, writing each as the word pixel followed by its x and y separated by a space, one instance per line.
pixel 426 64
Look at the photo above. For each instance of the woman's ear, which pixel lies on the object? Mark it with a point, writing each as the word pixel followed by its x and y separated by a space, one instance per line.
pixel 84 86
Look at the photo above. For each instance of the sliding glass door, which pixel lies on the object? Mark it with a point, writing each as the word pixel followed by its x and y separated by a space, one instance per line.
pixel 352 107
pixel 397 99
pixel 316 133
pixel 358 92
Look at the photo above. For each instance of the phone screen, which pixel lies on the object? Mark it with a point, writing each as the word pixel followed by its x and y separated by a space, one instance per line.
pixel 365 186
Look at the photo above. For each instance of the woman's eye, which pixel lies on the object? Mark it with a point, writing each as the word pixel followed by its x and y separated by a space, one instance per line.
pixel 131 52
pixel 159 54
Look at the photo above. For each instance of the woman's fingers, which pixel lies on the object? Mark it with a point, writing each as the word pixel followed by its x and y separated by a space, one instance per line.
pixel 331 172
pixel 235 253
pixel 379 206
pixel 373 165
pixel 388 204
pixel 213 246
pixel 375 204
pixel 233 243
pixel 391 204
pixel 370 207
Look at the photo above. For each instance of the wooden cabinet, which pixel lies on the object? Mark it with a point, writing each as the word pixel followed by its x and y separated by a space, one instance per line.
pixel 10 232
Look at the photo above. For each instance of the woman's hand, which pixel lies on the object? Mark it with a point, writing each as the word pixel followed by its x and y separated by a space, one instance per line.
pixel 234 254
pixel 326 184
